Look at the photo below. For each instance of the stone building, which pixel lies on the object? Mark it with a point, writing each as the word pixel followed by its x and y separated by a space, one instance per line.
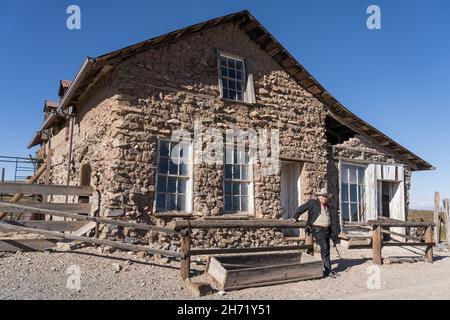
pixel 113 130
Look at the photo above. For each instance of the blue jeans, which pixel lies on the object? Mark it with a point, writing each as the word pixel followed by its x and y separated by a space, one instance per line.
pixel 322 237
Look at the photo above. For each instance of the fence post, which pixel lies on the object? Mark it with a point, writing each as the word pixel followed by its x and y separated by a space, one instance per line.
pixel 436 220
pixel 376 244
pixel 2 180
pixel 447 219
pixel 429 239
pixel 185 263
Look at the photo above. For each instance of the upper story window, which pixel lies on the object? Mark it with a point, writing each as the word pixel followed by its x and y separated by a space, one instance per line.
pixel 238 182
pixel 352 193
pixel 174 178
pixel 236 84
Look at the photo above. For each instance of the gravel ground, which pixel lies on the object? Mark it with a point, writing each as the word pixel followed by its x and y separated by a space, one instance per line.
pixel 42 275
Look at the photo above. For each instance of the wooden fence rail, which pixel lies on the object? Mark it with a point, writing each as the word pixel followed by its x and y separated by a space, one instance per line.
pixel 377 239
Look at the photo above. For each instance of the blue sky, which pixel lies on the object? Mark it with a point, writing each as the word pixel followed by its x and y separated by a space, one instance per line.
pixel 396 78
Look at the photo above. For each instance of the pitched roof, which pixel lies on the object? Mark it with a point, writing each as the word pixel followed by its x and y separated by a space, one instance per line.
pixel 50 105
pixel 63 86
pixel 94 68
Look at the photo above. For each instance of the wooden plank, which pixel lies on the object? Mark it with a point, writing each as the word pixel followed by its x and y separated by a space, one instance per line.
pixel 215 251
pixel 185 263
pixel 19 195
pixel 83 208
pixel 27 245
pixel 429 240
pixel 140 226
pixel 407 244
pixel 447 219
pixel 254 223
pixel 401 224
pixel 437 229
pixel 85 229
pixel 9 187
pixel 114 244
pixel 60 226
pixel 376 245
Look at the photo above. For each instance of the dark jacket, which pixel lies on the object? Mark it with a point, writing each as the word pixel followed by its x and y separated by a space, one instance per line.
pixel 314 209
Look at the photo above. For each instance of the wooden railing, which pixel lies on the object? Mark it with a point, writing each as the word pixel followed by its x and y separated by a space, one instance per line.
pixel 185 228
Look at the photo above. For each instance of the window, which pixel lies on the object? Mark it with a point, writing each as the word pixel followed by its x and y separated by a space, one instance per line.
pixel 352 193
pixel 236 82
pixel 237 181
pixel 174 182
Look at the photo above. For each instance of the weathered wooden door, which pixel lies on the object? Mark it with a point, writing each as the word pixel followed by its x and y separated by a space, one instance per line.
pixel 290 192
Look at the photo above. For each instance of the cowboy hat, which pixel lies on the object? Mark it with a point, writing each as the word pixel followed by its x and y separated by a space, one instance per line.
pixel 324 193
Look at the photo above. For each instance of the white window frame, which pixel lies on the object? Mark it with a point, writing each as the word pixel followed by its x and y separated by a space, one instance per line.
pixel 248 91
pixel 190 178
pixel 251 198
pixel 361 198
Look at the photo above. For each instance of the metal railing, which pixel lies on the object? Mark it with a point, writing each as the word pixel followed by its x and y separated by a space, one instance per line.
pixel 23 168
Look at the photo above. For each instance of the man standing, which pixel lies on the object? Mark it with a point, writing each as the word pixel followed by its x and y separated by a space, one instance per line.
pixel 321 223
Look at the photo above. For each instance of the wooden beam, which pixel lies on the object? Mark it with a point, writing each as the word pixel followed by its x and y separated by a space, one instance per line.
pixel 22 188
pixel 84 208
pixel 185 263
pixel 140 226
pixel 59 226
pixel 429 240
pixel 254 223
pixel 19 195
pixel 400 224
pixel 14 245
pixel 214 251
pixel 114 244
pixel 376 245
pixel 437 229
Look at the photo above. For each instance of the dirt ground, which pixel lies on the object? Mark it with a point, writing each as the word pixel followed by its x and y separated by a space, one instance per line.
pixel 44 276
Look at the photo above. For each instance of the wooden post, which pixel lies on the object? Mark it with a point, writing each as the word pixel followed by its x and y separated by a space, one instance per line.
pixel 429 249
pixel 447 219
pixel 436 219
pixel 309 241
pixel 376 245
pixel 185 263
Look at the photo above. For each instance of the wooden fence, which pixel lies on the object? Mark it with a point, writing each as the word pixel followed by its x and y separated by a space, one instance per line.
pixel 441 218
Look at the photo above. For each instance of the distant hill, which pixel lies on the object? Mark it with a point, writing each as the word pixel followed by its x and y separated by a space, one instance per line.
pixel 420 215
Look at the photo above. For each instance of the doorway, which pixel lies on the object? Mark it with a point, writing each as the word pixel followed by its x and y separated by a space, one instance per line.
pixel 290 192
pixel 385 200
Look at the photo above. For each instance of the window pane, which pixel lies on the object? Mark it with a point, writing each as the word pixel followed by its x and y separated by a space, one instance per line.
pixel 172 202
pixel 239 75
pixel 231 84
pixel 231 73
pixel 232 94
pixel 231 64
pixel 228 171
pixel 236 188
pixel 239 65
pixel 236 204
pixel 354 211
pixel 164 148
pixel 163 165
pixel 223 61
pixel 244 189
pixel 225 83
pixel 173 168
pixel 172 185
pixel 227 188
pixel 236 172
pixel 161 201
pixel 344 192
pixel 181 202
pixel 161 184
pixel 361 172
pixel 244 171
pixel 225 94
pixel 239 96
pixel 183 169
pixel 353 196
pixel 228 204
pixel 344 174
pixel 229 155
pixel 224 72
pixel 182 183
pixel 344 211
pixel 352 176
pixel 244 203
pixel 238 86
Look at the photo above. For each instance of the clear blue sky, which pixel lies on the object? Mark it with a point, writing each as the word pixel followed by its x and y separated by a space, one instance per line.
pixel 396 78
